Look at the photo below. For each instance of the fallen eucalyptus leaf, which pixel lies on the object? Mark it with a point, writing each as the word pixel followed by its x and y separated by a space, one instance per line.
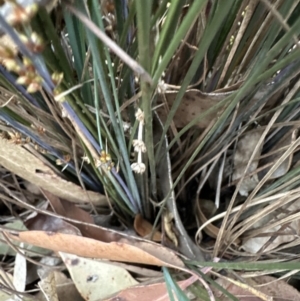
pixel 123 250
pixel 96 279
pixel 21 162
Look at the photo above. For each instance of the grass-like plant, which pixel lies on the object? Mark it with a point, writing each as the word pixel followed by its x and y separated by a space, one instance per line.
pixel 88 83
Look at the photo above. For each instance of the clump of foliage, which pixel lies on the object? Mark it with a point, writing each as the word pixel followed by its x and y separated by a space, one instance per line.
pixel 99 87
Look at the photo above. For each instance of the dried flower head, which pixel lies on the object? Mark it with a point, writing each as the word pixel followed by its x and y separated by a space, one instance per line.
pixel 33 87
pixel 86 159
pixel 57 78
pixel 140 116
pixel 138 167
pixel 7 52
pixel 139 146
pixel 12 65
pixel 20 14
pixel 36 43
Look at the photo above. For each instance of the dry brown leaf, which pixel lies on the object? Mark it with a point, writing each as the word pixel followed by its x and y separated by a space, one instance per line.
pixel 279 290
pixel 244 151
pixel 124 250
pixel 69 210
pixel 96 279
pixel 42 222
pixel 193 103
pixel 21 162
pixel 144 228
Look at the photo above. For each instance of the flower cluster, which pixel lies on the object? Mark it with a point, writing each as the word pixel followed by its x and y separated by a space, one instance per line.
pixel 17 14
pixel 104 159
pixel 139 145
pixel 24 68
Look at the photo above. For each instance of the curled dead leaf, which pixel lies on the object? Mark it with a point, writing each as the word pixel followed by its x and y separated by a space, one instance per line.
pixel 70 210
pixel 210 230
pixel 42 222
pixel 168 226
pixel 144 228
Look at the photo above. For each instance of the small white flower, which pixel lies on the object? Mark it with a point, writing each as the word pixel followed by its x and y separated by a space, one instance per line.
pixel 139 146
pixel 86 159
pixel 126 126
pixel 138 167
pixel 162 87
pixel 140 116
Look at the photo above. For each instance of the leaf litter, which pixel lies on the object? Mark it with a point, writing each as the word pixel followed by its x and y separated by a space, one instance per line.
pixel 24 164
pixel 59 235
